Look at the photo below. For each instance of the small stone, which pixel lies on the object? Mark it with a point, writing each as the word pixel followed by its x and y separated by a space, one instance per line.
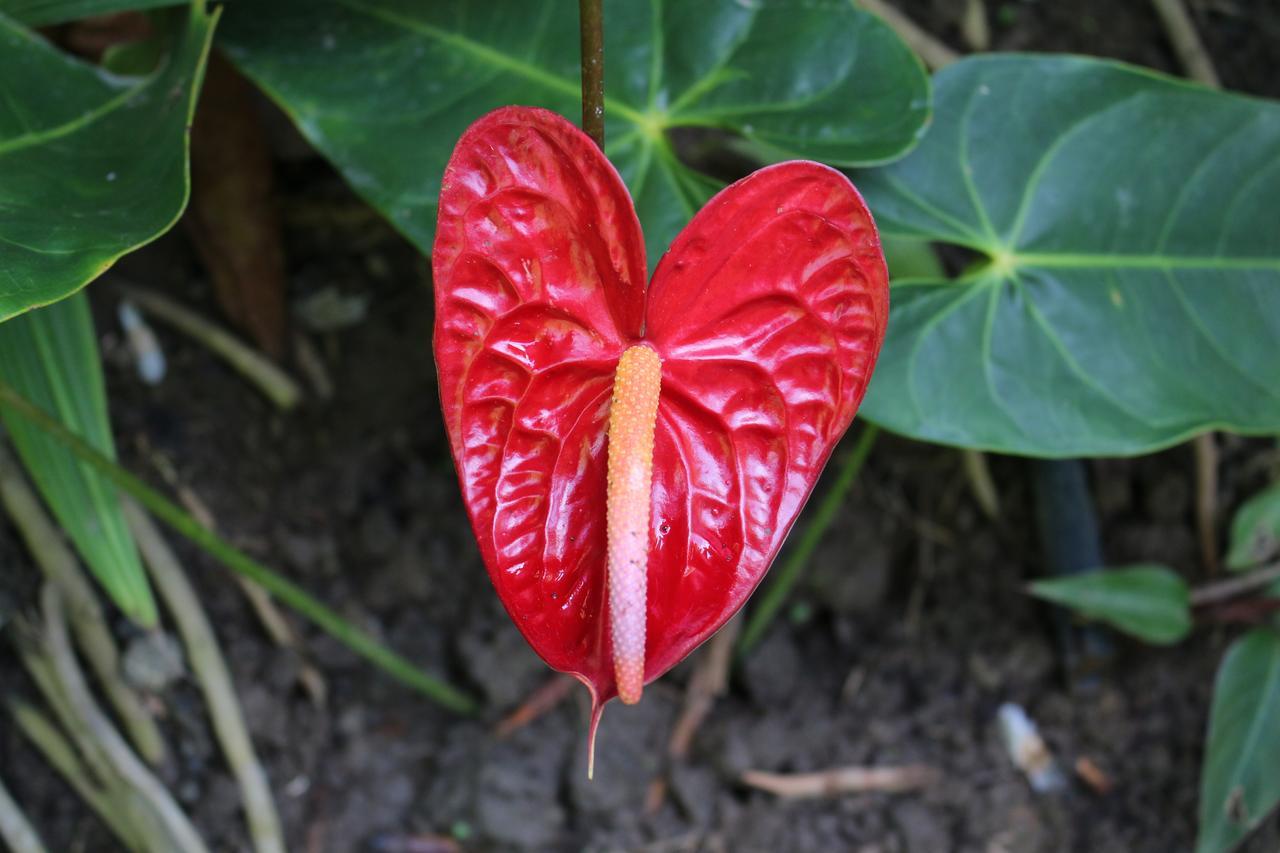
pixel 153 661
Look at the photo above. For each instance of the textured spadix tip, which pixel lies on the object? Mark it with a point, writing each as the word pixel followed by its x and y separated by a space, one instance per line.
pixel 632 417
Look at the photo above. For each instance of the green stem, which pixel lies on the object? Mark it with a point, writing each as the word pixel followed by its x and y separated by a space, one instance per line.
pixel 788 574
pixel 591 22
pixel 221 550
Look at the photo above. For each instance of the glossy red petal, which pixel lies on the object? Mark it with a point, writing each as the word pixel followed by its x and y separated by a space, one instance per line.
pixel 768 312
pixel 539 273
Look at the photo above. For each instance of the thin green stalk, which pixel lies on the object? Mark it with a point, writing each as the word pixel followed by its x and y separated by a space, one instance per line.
pixel 51 743
pixel 16 831
pixel 210 670
pixel 221 550
pixel 278 387
pixel 591 24
pixel 788 574
pixel 158 810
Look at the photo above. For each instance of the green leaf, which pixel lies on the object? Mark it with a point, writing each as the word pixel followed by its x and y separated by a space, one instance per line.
pixel 1255 530
pixel 51 356
pixel 94 165
pixel 1131 292
pixel 910 257
pixel 40 13
pixel 384 88
pixel 1240 782
pixel 1150 602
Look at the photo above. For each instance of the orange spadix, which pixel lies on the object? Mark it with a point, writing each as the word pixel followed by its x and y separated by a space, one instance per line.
pixel 632 418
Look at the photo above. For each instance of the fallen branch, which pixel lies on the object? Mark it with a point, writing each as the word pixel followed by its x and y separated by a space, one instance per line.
pixel 59 565
pixel 210 671
pixel 844 780
pixel 278 386
pixel 934 53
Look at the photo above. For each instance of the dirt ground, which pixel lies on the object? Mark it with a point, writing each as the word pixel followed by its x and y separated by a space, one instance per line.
pixel 910 630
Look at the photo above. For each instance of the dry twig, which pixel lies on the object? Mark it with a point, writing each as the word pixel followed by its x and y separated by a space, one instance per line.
pixel 844 780
pixel 549 695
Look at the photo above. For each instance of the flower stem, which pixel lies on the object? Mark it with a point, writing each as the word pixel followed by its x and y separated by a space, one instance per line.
pixel 591 22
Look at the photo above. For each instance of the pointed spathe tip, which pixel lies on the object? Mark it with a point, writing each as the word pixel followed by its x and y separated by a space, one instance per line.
pixel 597 711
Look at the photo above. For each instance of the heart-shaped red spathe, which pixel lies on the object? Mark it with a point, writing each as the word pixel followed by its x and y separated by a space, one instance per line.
pixel 767 313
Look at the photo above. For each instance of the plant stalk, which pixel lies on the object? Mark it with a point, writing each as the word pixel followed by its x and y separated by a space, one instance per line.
pixel 276 385
pixel 1220 591
pixel 210 670
pixel 87 621
pixel 290 593
pixel 15 830
pixel 155 797
pixel 591 24
pixel 786 577
pixel 59 752
pixel 1186 42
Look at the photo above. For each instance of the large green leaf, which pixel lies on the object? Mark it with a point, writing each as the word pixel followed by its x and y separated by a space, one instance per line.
pixel 1130 293
pixel 93 165
pixel 1150 602
pixel 385 87
pixel 39 13
pixel 1240 782
pixel 50 355
pixel 1255 530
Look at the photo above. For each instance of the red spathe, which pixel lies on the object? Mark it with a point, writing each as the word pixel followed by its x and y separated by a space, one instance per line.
pixel 767 312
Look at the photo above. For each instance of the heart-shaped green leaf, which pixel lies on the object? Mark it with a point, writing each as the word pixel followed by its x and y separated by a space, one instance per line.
pixel 1150 602
pixel 94 165
pixel 1240 782
pixel 50 356
pixel 1130 295
pixel 385 88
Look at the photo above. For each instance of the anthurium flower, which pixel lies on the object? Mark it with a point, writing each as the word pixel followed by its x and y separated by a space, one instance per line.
pixel 633 457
